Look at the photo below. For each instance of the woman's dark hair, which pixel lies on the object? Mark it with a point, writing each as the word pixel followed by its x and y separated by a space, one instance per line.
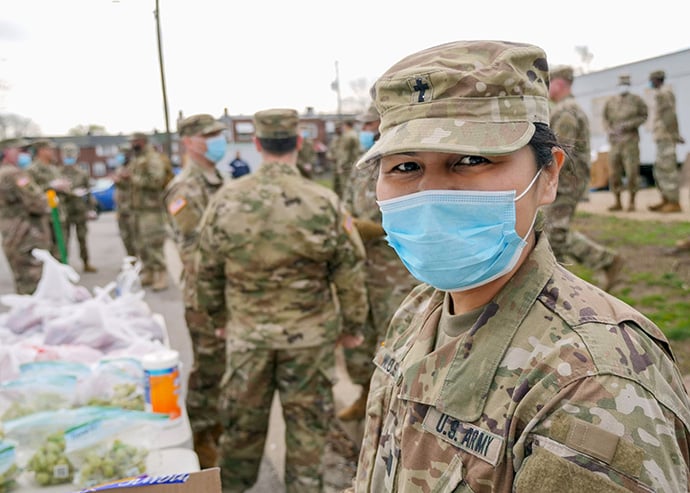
pixel 279 146
pixel 542 142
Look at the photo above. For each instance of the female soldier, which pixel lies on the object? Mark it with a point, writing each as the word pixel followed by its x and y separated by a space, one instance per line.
pixel 503 371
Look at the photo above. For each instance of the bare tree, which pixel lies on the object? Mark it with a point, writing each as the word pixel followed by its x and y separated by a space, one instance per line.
pixel 586 57
pixel 90 129
pixel 12 126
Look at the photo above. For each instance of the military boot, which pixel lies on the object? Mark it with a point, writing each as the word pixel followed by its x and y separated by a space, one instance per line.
pixel 160 280
pixel 88 267
pixel 357 410
pixel 205 448
pixel 146 277
pixel 617 206
pixel 670 207
pixel 631 204
pixel 658 206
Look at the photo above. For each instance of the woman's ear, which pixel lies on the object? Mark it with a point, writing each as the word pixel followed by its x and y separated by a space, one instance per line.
pixel 550 173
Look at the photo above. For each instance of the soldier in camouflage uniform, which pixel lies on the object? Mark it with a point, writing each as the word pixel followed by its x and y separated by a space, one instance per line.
pixel 47 176
pixel 148 176
pixel 623 114
pixel 388 281
pixel 306 157
pixel 79 204
pixel 347 151
pixel 24 219
pixel 666 137
pixel 186 198
pixel 502 372
pixel 271 245
pixel 571 125
pixel 123 201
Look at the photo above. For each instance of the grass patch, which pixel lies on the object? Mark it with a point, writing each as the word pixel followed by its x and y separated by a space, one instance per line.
pixel 654 280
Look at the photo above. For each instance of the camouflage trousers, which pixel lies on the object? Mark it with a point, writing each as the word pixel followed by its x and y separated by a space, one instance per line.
pixel 125 224
pixel 150 234
pixel 303 380
pixel 567 243
pixel 624 159
pixel 80 229
pixel 17 243
pixel 666 174
pixel 387 285
pixel 206 374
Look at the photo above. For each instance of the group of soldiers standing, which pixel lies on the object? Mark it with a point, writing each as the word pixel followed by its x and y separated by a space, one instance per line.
pixel 41 201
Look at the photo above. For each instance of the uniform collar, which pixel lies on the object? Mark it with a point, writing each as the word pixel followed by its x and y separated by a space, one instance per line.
pixel 456 378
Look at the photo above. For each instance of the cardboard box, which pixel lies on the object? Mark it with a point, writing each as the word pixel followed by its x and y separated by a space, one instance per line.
pixel 599 174
pixel 206 481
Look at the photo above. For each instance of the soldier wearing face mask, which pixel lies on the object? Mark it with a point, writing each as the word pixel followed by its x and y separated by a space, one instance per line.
pixel 79 204
pixel 24 216
pixel 186 197
pixel 148 170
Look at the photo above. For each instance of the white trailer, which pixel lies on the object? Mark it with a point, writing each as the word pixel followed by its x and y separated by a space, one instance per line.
pixel 592 89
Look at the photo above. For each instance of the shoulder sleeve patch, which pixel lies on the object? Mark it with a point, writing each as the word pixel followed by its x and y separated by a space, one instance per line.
pixel 177 205
pixel 22 181
pixel 348 223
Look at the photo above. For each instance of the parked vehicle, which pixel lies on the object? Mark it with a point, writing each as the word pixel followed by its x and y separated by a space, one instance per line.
pixel 103 190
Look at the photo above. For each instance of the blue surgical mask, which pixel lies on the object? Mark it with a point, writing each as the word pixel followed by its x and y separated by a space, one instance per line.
pixel 69 161
pixel 215 148
pixel 120 158
pixel 455 240
pixel 366 139
pixel 23 159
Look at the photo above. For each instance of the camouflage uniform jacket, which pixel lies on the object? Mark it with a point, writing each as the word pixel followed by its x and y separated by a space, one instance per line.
pixel 23 206
pixel 623 114
pixel 271 245
pixel 665 117
pixel 388 280
pixel 43 174
pixel 570 123
pixel 80 201
pixel 555 384
pixel 123 191
pixel 186 198
pixel 149 177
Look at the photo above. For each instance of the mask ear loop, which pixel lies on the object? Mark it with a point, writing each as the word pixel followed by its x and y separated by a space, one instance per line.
pixel 534 219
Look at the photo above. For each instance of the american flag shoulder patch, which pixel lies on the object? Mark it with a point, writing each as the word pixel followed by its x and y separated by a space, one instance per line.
pixel 177 205
pixel 348 223
pixel 22 181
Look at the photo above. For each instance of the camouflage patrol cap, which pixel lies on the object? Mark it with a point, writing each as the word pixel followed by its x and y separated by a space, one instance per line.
pixel 69 149
pixel 201 124
pixel 138 136
pixel 278 123
pixel 370 115
pixel 478 97
pixel 41 143
pixel 624 80
pixel 16 143
pixel 564 72
pixel 658 74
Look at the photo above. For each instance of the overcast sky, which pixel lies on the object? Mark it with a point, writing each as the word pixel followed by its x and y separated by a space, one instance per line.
pixel 65 63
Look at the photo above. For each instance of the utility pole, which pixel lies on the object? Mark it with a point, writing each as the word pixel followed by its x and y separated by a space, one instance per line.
pixel 168 143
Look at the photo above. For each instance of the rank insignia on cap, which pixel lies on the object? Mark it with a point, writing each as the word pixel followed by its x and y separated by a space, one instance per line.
pixel 420 86
pixel 23 181
pixel 177 205
pixel 348 223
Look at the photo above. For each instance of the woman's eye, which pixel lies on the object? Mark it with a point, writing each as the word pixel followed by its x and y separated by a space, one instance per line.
pixel 406 167
pixel 472 160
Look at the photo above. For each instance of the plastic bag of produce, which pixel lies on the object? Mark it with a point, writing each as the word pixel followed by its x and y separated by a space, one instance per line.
pixel 31 394
pixel 8 466
pixel 112 448
pixel 116 382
